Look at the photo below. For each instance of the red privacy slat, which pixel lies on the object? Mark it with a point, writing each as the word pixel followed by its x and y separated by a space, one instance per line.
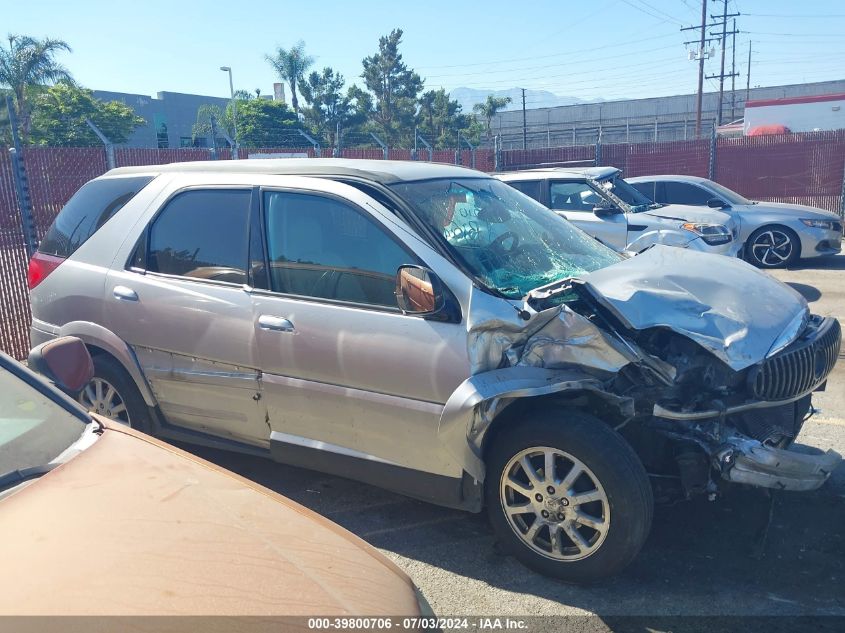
pixel 800 168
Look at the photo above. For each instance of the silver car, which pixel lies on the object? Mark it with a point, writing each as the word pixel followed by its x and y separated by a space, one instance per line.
pixel 598 201
pixel 431 330
pixel 772 234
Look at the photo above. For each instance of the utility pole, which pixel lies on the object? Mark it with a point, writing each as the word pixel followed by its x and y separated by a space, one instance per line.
pixel 733 73
pixel 700 70
pixel 721 76
pixel 701 55
pixel 524 124
pixel 748 74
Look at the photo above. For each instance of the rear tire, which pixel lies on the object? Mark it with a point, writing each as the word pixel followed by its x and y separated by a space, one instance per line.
pixel 113 394
pixel 576 527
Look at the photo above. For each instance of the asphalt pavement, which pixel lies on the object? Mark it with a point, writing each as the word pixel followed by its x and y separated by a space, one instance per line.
pixel 702 558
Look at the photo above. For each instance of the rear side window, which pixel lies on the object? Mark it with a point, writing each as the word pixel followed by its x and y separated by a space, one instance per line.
pixel 88 210
pixel 202 234
pixel 530 188
pixel 685 193
pixel 648 189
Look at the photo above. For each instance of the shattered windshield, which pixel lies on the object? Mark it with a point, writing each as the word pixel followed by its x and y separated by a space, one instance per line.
pixel 509 241
pixel 631 196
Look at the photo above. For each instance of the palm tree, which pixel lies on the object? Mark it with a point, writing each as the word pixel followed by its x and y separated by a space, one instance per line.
pixel 27 63
pixel 291 66
pixel 489 108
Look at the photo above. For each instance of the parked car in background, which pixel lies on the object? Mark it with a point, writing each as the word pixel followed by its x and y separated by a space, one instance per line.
pixel 431 330
pixel 97 518
pixel 772 234
pixel 599 202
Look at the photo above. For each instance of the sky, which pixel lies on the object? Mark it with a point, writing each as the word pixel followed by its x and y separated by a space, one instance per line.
pixel 610 49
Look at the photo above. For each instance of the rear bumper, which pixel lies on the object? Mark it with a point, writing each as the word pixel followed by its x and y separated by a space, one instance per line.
pixel 745 461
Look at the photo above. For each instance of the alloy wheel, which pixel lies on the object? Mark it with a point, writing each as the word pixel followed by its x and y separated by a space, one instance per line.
pixel 102 398
pixel 772 248
pixel 554 503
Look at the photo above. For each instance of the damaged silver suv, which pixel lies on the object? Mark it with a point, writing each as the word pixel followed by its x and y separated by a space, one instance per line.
pixel 431 330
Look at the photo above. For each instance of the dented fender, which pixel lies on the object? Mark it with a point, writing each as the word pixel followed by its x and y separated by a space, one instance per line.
pixel 473 406
pixel 668 237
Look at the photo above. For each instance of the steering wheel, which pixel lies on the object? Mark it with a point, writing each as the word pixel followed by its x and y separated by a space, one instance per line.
pixel 498 245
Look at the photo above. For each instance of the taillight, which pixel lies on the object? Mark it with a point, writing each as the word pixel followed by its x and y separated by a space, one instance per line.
pixel 40 266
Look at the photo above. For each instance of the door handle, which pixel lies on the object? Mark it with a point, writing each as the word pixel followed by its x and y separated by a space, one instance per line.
pixel 123 293
pixel 274 323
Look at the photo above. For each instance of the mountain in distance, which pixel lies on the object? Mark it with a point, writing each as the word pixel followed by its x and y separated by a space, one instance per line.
pixel 468 97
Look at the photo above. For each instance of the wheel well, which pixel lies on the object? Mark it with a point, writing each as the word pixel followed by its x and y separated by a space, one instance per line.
pixel 782 228
pixel 523 408
pixel 97 351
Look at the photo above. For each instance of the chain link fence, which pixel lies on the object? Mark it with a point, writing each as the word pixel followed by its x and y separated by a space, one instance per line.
pixel 797 168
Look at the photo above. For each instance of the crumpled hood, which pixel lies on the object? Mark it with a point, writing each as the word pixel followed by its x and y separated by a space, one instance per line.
pixel 727 306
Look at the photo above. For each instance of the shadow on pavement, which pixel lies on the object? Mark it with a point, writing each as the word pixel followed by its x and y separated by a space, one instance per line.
pixel 834 262
pixel 810 293
pixel 699 559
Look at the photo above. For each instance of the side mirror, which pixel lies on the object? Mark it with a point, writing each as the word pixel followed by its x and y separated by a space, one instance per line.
pixel 418 290
pixel 65 362
pixel 717 203
pixel 604 212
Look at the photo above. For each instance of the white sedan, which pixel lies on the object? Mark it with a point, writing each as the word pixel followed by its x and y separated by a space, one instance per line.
pixel 599 202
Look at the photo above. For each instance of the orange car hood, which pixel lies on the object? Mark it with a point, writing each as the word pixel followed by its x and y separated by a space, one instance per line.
pixel 134 526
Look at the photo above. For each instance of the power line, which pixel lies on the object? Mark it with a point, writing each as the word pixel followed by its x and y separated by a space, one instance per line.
pixel 797 15
pixel 535 57
pixel 546 67
pixel 666 17
pixel 793 34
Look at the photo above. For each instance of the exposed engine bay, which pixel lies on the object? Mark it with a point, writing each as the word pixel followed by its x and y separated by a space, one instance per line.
pixel 696 417
pixel 698 414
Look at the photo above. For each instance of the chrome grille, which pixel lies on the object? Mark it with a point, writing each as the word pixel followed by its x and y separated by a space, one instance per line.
pixel 800 367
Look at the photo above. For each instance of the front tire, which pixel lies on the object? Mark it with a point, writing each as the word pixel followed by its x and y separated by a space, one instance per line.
pixel 772 247
pixel 568 496
pixel 113 394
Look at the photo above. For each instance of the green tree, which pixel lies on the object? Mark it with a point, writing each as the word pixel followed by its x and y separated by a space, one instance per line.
pixel 440 119
pixel 393 89
pixel 489 108
pixel 59 116
pixel 265 123
pixel 27 64
pixel 202 128
pixel 328 105
pixel 291 65
pixel 5 128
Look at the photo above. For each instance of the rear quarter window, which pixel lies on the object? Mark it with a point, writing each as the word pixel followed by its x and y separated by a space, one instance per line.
pixel 648 189
pixel 88 210
pixel 531 188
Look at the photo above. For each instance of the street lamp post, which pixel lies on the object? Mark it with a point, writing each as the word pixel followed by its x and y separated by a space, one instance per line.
pixel 228 69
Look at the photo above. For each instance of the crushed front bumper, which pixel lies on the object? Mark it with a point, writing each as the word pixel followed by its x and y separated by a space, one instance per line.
pixel 745 461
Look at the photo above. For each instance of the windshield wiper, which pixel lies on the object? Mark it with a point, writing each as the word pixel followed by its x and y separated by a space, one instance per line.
pixel 14 477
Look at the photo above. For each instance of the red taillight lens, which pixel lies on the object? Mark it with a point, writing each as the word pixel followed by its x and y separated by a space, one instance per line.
pixel 40 266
